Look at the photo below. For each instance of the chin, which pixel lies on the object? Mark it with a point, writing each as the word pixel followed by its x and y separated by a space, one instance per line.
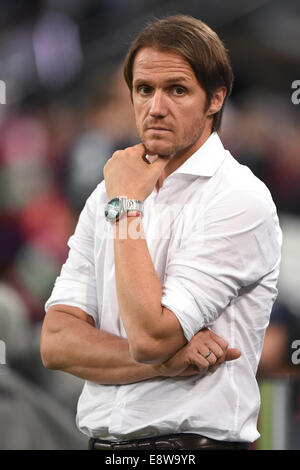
pixel 158 148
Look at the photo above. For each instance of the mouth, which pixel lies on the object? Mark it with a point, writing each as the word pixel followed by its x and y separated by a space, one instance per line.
pixel 158 129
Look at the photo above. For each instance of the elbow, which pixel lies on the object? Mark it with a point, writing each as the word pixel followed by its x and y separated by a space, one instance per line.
pixel 145 357
pixel 148 352
pixel 142 356
pixel 48 356
pixel 47 360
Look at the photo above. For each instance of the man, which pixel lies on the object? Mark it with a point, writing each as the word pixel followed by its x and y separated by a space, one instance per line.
pixel 177 249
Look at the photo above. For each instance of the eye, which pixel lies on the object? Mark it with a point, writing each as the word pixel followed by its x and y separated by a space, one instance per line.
pixel 179 90
pixel 144 89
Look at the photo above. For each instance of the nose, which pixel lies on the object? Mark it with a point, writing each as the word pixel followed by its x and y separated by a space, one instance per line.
pixel 158 105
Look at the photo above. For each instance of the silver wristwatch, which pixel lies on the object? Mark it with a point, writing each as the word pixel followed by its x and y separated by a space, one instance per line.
pixel 119 206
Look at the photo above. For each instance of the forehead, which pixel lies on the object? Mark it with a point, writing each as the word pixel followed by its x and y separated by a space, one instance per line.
pixel 165 63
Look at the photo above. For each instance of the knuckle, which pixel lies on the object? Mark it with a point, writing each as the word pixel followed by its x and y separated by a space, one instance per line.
pixel 223 344
pixel 220 352
pixel 189 357
pixel 108 163
pixel 212 360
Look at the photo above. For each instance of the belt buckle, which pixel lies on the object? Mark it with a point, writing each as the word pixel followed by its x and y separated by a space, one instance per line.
pixel 118 445
pixel 105 446
pixel 123 445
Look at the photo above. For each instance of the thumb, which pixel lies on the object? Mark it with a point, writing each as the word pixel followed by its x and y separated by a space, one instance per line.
pixel 157 161
pixel 232 354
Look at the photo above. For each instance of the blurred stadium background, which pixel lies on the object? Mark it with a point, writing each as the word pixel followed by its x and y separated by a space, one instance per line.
pixel 64 110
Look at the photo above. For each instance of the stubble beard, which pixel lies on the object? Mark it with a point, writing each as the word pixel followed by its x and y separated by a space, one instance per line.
pixel 175 149
pixel 151 150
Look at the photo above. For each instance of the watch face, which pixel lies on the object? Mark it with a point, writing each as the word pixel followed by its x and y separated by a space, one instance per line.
pixel 113 209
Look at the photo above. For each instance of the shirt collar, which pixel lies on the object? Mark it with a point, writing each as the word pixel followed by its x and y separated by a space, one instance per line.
pixel 206 160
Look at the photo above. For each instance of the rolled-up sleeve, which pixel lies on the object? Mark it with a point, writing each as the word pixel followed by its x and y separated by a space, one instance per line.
pixel 76 284
pixel 237 243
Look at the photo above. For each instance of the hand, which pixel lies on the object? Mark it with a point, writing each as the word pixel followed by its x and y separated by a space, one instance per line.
pixel 126 173
pixel 190 359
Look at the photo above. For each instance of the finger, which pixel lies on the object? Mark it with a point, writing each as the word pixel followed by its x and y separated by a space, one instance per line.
pixel 232 354
pixel 199 361
pixel 139 148
pixel 220 341
pixel 215 348
pixel 206 352
pixel 190 370
pixel 220 361
pixel 211 358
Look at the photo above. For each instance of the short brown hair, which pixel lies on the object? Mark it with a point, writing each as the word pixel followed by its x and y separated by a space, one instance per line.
pixel 197 43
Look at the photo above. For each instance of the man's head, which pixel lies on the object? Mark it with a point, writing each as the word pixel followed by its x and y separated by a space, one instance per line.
pixel 171 48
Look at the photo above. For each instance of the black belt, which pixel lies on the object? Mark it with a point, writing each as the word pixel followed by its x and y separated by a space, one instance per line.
pixel 168 442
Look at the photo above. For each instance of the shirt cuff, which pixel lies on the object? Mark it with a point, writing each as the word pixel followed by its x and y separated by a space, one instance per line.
pixel 61 297
pixel 183 305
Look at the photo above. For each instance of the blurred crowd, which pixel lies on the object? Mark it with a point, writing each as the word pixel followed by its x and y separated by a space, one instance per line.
pixel 52 152
pixel 51 158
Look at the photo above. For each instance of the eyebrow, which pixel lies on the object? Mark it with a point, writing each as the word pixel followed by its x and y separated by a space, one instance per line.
pixel 177 79
pixel 169 81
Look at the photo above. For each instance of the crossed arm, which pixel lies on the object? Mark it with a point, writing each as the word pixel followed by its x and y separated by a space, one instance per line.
pixel 71 343
pixel 156 345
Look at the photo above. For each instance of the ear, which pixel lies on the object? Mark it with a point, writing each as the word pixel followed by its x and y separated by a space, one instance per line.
pixel 217 100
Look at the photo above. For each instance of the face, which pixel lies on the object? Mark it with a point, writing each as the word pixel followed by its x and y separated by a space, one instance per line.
pixel 169 103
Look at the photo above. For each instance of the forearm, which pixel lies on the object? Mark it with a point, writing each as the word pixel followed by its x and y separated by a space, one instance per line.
pixel 154 332
pixel 139 289
pixel 82 350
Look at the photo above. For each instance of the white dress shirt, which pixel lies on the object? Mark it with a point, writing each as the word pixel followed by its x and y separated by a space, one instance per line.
pixel 214 238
